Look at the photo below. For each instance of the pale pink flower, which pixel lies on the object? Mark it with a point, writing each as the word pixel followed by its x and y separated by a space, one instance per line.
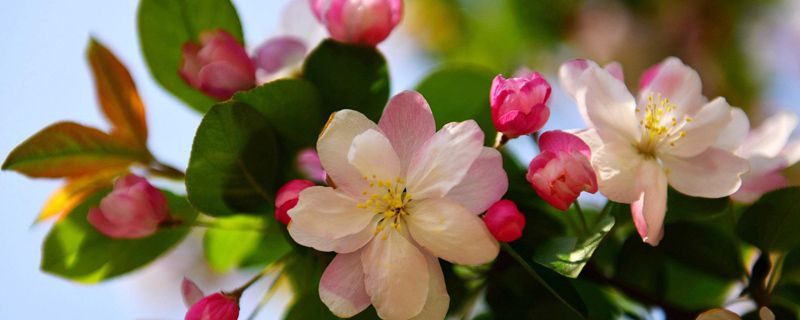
pixel 562 170
pixel 218 306
pixel 519 104
pixel 308 163
pixel 134 209
pixel 769 152
pixel 671 135
pixel 286 198
pixel 403 195
pixel 218 66
pixel 366 22
pixel 504 221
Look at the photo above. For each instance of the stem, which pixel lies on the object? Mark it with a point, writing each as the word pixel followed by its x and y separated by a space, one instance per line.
pixel 238 291
pixel 165 171
pixel 267 296
pixel 606 211
pixel 513 253
pixel 583 218
pixel 500 140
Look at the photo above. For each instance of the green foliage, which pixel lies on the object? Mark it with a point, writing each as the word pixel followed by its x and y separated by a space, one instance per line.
pixel 234 162
pixel 772 222
pixel 349 77
pixel 681 207
pixel 568 255
pixel 459 93
pixel 704 249
pixel 240 241
pixel 165 25
pixel 75 250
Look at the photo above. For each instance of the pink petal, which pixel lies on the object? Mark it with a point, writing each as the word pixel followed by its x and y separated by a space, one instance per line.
pixel 677 82
pixel 734 134
pixel 610 107
pixel 345 244
pixel 408 123
pixel 328 213
pixel 438 301
pixel 755 186
pixel 334 144
pixel 648 212
pixel 373 156
pixel 341 287
pixel 278 53
pixel 557 141
pixel 704 129
pixel 190 292
pixel 714 173
pixel 484 184
pixel 222 79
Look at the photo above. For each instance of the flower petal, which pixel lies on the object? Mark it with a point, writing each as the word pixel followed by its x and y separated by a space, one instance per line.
pixel 616 166
pixel 327 213
pixel 341 287
pixel 648 211
pixel 734 134
pixel 444 160
pixel 484 184
pixel 770 137
pixel 451 232
pixel 677 82
pixel 408 123
pixel 755 186
pixel 438 300
pixel 558 141
pixel 610 107
pixel 372 154
pixel 344 244
pixel 714 173
pixel 703 130
pixel 334 144
pixel 396 275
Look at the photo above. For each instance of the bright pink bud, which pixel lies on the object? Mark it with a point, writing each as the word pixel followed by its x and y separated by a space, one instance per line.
pixel 519 105
pixel 218 66
pixel 562 170
pixel 504 221
pixel 309 164
pixel 287 197
pixel 134 209
pixel 358 21
pixel 214 307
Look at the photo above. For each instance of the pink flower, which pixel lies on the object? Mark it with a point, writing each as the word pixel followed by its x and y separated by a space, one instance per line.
pixel 218 66
pixel 309 164
pixel 286 198
pixel 504 221
pixel 133 210
pixel 519 105
pixel 563 170
pixel 217 306
pixel 358 21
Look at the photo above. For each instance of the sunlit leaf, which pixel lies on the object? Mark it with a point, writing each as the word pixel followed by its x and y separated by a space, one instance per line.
pixel 244 240
pixel 66 198
pixel 568 255
pixel 68 149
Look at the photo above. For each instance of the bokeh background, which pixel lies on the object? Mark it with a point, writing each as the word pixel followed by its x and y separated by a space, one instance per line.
pixel 745 50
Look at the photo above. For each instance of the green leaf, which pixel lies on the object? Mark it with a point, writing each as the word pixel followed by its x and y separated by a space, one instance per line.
pixel 165 25
pixel 568 255
pixel 681 207
pixel 771 224
pixel 75 250
pixel 349 77
pixel 718 255
pixel 68 149
pixel 233 165
pixel 459 93
pixel 239 241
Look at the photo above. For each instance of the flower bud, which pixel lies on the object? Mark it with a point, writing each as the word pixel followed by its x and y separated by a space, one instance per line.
pixel 218 66
pixel 287 197
pixel 134 209
pixel 279 57
pixel 519 105
pixel 358 21
pixel 309 164
pixel 504 221
pixel 217 306
pixel 562 170
pixel 190 292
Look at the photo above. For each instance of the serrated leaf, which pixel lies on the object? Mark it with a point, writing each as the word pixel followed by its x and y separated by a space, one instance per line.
pixel 568 255
pixel 165 25
pixel 75 250
pixel 68 149
pixel 772 222
pixel 117 94
pixel 244 240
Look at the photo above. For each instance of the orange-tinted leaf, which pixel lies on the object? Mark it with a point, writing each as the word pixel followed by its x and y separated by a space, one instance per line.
pixel 68 149
pixel 117 94
pixel 75 191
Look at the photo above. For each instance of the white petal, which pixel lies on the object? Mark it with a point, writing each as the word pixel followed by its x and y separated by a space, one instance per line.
pixel 703 130
pixel 372 154
pixel 408 123
pixel 341 287
pixel 334 144
pixel 570 78
pixel 451 232
pixel 616 166
pixel 485 183
pixel 610 107
pixel 769 139
pixel 326 213
pixel 396 275
pixel 679 83
pixel 438 300
pixel 344 244
pixel 791 153
pixel 648 211
pixel 714 173
pixel 734 134
pixel 443 161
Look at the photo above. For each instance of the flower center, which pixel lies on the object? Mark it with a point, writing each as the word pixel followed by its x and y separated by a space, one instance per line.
pixel 388 199
pixel 659 125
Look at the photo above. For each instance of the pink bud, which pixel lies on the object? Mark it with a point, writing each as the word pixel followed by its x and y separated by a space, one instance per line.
pixel 519 105
pixel 190 292
pixel 279 56
pixel 134 209
pixel 214 307
pixel 504 221
pixel 358 21
pixel 562 170
pixel 218 66
pixel 287 197
pixel 309 164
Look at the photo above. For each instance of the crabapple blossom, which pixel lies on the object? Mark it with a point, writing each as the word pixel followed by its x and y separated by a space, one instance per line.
pixel 519 104
pixel 366 22
pixel 562 170
pixel 286 198
pixel 218 66
pixel 134 209
pixel 402 195
pixel 217 306
pixel 504 221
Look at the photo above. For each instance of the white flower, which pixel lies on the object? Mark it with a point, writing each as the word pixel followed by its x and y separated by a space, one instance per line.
pixel 671 135
pixel 404 194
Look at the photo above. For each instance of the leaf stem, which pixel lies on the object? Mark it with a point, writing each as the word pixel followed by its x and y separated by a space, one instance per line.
pixel 583 218
pixel 237 293
pixel 513 253
pixel 165 171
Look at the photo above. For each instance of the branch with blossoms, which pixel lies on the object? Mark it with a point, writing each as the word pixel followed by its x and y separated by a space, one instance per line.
pixel 418 206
